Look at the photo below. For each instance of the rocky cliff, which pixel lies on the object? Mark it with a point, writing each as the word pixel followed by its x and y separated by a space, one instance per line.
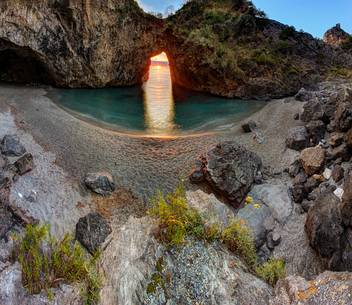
pixel 229 48
pixel 224 47
pixel 76 43
pixel 336 36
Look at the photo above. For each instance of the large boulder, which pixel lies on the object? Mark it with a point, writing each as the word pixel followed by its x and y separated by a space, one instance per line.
pixel 11 146
pixel 312 160
pixel 328 288
pixel 91 231
pixel 101 183
pixel 231 169
pixel 343 114
pixel 324 225
pixel 298 138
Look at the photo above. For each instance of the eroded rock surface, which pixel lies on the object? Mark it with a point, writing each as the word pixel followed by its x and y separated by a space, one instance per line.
pixel 231 170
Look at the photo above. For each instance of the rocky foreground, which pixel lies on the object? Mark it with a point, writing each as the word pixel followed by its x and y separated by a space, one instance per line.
pixel 300 215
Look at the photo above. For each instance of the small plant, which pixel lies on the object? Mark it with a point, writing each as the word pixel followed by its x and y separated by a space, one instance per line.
pixel 46 262
pixel 238 239
pixel 272 271
pixel 176 218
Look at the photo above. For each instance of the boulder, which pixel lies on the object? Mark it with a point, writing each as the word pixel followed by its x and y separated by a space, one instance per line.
pixel 343 115
pixel 337 173
pixel 231 169
pixel 298 138
pixel 340 152
pixel 312 160
pixel 249 126
pixel 298 193
pixel 304 95
pixel 336 139
pixel 101 183
pixel 328 288
pixel 324 225
pixel 91 231
pixel 312 111
pixel 11 146
pixel 24 164
pixel 316 131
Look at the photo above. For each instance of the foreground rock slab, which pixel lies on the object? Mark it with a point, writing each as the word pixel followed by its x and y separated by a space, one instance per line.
pixel 91 231
pixel 328 288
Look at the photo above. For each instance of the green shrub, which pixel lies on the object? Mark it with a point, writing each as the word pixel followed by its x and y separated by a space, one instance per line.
pixel 238 239
pixel 272 271
pixel 287 33
pixel 46 262
pixel 176 218
pixel 263 58
pixel 340 72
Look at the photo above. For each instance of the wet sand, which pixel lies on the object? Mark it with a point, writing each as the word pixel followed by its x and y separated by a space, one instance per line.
pixel 140 164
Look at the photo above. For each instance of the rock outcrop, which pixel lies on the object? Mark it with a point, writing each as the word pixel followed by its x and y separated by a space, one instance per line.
pixel 328 288
pixel 76 43
pixel 336 36
pixel 211 47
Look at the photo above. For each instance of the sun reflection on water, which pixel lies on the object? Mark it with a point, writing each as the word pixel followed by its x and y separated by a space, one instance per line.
pixel 159 108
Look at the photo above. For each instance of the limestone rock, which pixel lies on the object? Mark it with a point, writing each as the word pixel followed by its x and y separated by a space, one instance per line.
pixel 312 160
pixel 91 231
pixel 231 169
pixel 11 146
pixel 101 183
pixel 328 288
pixel 297 138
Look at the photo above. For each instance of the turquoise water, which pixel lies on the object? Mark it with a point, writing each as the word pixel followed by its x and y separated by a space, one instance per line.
pixel 156 108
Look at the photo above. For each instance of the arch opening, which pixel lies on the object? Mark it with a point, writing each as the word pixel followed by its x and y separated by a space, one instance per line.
pixel 159 105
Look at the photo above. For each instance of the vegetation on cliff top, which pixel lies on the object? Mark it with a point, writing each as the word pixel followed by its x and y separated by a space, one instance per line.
pixel 177 221
pixel 46 262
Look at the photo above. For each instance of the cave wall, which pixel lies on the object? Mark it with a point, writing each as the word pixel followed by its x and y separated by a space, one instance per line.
pixel 79 43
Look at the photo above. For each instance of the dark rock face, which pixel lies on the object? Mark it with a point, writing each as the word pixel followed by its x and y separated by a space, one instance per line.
pixel 324 225
pixel 11 146
pixel 336 36
pixel 231 170
pixel 80 43
pixel 298 138
pixel 77 43
pixel 91 231
pixel 343 114
pixel 101 183
pixel 24 164
pixel 316 131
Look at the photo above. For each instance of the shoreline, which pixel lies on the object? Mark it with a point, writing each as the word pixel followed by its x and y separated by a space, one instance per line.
pixel 140 164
